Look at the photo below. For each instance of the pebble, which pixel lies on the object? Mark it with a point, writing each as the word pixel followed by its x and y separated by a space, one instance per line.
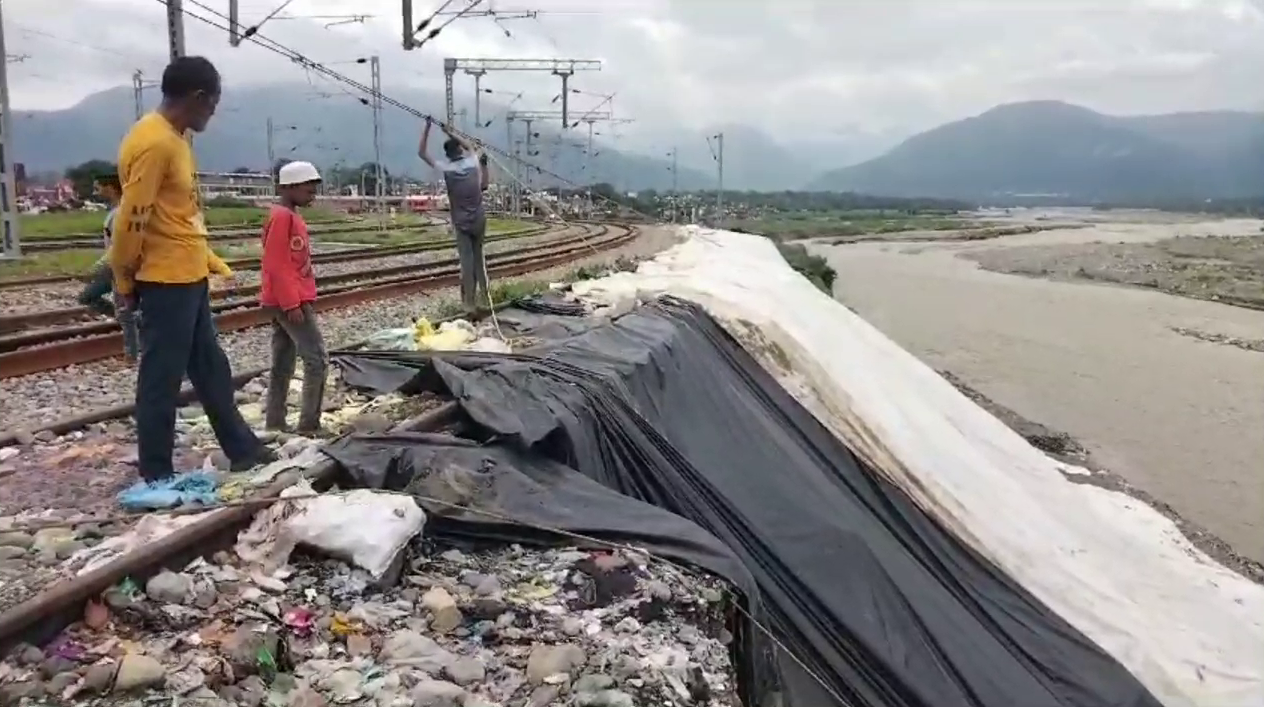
pixel 549 661
pixel 170 588
pixel 137 672
pixel 98 678
pixel 437 693
pixel 9 552
pixel 465 671
pixel 444 614
pixel 17 539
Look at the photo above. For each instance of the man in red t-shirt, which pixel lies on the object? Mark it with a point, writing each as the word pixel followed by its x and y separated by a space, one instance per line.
pixel 288 289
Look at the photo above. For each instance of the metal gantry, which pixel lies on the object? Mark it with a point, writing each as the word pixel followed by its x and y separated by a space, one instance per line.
pixel 719 164
pixel 139 86
pixel 565 68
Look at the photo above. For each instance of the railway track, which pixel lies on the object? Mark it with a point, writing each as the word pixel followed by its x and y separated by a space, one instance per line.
pixel 34 352
pixel 253 263
pixel 47 245
pixel 95 236
pixel 13 323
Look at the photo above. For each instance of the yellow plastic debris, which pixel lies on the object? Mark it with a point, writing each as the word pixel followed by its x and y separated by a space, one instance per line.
pixel 341 626
pixel 451 336
pixel 422 328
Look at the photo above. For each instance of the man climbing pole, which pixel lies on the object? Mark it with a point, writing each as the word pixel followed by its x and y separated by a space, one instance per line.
pixel 466 176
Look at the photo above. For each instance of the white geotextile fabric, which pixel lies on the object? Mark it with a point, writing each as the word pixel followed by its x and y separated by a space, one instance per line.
pixel 1191 630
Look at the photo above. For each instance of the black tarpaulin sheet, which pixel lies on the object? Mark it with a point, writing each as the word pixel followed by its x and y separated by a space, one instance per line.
pixel 881 605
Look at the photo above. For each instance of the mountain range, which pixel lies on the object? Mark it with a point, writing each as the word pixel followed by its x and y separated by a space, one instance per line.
pixel 322 127
pixel 329 127
pixel 1061 151
pixel 1032 150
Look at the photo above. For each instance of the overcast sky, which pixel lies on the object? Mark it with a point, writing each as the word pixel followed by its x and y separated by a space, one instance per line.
pixel 803 68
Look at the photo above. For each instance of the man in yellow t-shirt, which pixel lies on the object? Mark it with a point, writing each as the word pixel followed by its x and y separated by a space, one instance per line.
pixel 161 263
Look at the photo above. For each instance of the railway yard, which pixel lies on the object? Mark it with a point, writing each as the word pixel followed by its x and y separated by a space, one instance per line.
pixel 69 448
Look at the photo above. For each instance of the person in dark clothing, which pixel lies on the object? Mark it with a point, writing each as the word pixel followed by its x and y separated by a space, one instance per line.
pixel 162 263
pixel 98 294
pixel 466 176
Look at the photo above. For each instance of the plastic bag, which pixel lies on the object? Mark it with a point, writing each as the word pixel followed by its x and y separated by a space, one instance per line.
pixel 392 340
pixel 363 527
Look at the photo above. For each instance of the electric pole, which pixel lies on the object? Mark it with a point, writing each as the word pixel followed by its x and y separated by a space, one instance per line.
pixel 719 161
pixel 139 85
pixel 9 222
pixel 478 75
pixel 675 183
pixel 175 29
pixel 526 171
pixel 380 177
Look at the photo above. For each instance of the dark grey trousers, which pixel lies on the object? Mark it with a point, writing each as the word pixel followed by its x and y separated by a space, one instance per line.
pixel 178 338
pixel 292 341
pixel 469 248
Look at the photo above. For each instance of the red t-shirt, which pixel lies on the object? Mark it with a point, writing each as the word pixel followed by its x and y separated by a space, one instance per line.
pixel 287 279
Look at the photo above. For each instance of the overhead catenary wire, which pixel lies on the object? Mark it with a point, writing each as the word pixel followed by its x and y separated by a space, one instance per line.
pixel 421 26
pixel 312 65
pixel 254 29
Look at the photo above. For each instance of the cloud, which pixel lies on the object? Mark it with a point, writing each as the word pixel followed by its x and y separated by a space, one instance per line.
pixel 792 67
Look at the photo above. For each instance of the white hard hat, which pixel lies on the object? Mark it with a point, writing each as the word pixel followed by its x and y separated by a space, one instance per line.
pixel 297 173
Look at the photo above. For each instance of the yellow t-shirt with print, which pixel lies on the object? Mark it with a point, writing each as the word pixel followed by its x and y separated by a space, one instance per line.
pixel 159 231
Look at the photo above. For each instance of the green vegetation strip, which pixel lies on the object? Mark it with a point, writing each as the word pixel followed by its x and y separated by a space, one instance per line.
pixel 799 225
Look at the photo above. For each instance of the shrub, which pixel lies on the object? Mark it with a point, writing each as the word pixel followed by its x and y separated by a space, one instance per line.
pixel 228 202
pixel 815 268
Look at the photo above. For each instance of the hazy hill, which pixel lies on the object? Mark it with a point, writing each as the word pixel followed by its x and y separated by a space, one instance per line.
pixel 319 125
pixel 1053 148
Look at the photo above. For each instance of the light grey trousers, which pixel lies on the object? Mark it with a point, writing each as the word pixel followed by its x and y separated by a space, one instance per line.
pixel 469 248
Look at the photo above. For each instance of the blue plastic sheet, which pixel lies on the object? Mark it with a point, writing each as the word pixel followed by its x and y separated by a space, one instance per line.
pixel 196 487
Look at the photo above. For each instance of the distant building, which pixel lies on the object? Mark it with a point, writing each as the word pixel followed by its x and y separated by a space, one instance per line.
pixel 236 185
pixel 61 193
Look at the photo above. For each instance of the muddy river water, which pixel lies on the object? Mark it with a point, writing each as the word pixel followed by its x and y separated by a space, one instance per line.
pixel 1178 417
